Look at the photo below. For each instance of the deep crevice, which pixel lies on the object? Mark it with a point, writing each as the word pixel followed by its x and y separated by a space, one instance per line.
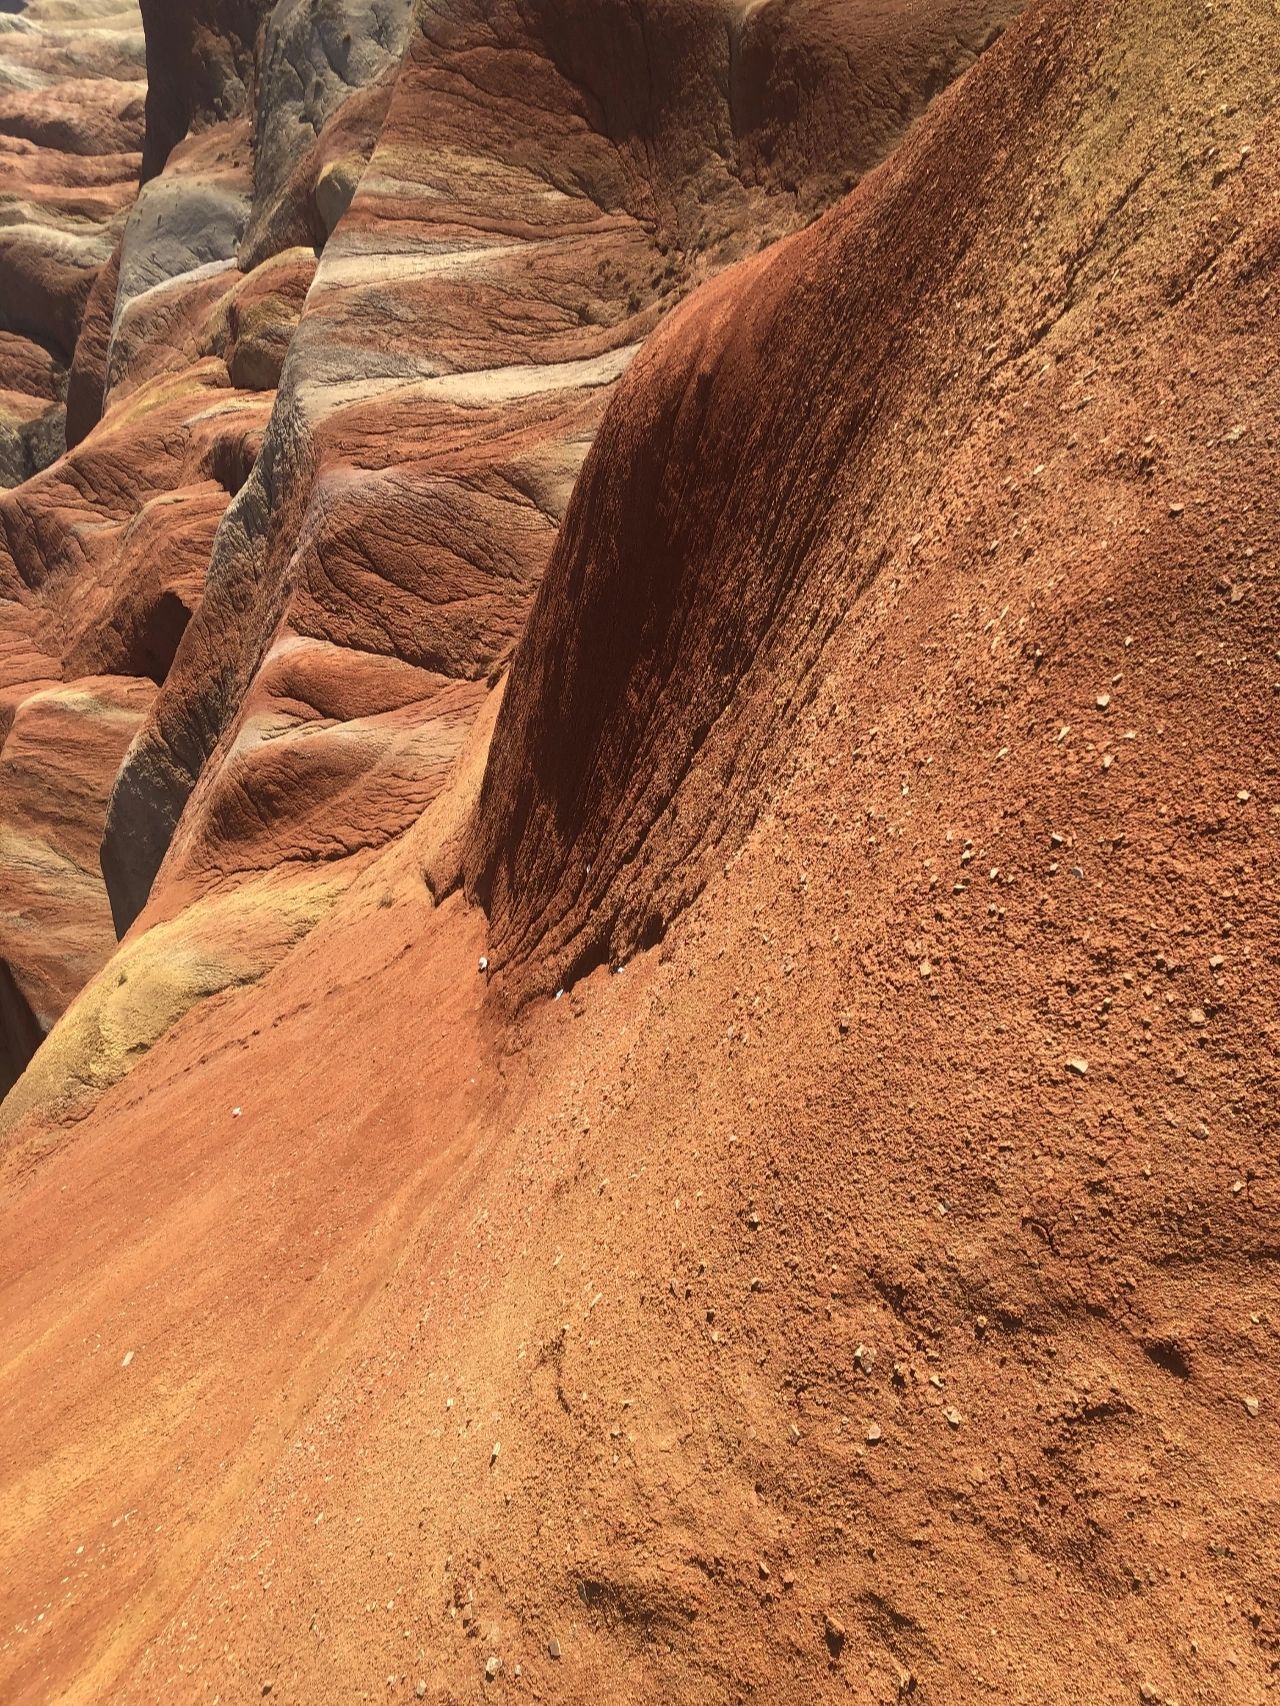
pixel 21 1032
pixel 155 641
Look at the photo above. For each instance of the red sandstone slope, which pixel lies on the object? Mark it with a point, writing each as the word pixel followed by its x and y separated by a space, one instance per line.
pixel 636 738
pixel 870 1291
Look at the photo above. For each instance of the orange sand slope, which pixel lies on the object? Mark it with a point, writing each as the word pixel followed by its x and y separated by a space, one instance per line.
pixel 757 1181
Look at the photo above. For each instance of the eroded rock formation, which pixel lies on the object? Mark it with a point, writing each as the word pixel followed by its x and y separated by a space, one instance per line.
pixel 502 212
pixel 71 127
pixel 683 1113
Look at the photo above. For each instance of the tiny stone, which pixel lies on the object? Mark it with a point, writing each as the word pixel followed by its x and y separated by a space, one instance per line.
pixel 1176 509
pixel 1216 963
pixel 952 1415
pixel 1196 1017
pixel 764 1570
pixel 1243 796
pixel 553 1648
pixel 497 1447
pixel 1078 1066
pixel 420 1692
pixel 126 1359
pixel 1252 1406
pixel 833 1634
pixel 1103 701
pixel 874 1436
pixel 492 1665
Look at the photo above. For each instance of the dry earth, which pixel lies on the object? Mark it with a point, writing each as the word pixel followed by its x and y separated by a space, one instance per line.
pixel 735 1158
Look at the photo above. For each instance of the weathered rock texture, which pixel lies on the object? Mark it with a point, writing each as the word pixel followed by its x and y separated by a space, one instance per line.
pixel 424 242
pixel 71 127
pixel 521 242
pixel 860 1283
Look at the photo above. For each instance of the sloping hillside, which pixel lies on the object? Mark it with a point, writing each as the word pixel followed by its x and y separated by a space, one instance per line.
pixel 765 1188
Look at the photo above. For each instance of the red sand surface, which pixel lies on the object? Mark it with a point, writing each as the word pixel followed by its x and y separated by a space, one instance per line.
pixel 765 1187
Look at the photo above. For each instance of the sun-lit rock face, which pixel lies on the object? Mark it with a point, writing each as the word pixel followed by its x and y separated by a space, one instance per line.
pixel 102 562
pixel 72 87
pixel 765 1190
pixel 61 749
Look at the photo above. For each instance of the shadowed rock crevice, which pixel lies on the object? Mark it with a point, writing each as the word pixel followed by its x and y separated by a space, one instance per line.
pixel 20 1031
pixel 200 69
pixel 150 649
pixel 140 822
